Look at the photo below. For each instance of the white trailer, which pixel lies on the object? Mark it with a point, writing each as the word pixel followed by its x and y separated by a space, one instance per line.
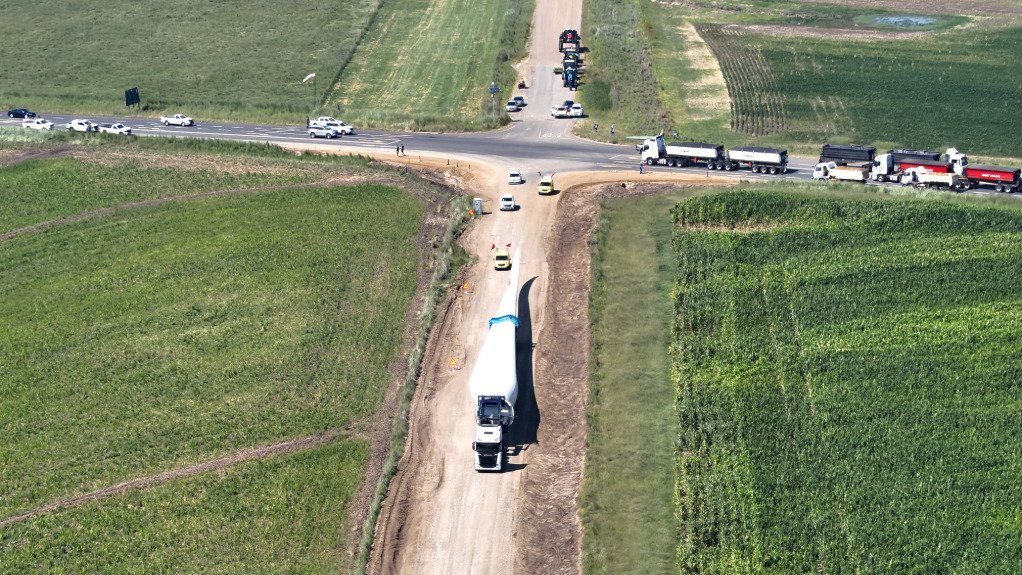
pixel 759 160
pixel 832 171
pixel 493 383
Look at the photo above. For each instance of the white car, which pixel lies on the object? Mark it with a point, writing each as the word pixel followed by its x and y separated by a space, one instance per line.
pixel 114 129
pixel 37 124
pixel 576 111
pixel 559 111
pixel 330 122
pixel 177 120
pixel 515 178
pixel 78 125
pixel 322 132
pixel 507 203
pixel 511 106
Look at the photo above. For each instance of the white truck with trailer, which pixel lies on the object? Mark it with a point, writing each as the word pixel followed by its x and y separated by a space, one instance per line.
pixel 760 160
pixel 922 177
pixel 493 383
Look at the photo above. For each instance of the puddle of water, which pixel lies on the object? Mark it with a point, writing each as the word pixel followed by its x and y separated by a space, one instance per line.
pixel 906 21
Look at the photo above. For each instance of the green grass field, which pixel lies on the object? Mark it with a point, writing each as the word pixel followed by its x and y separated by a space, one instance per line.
pixel 427 64
pixel 629 474
pixel 847 381
pixel 213 59
pixel 947 88
pixel 167 335
pixel 281 515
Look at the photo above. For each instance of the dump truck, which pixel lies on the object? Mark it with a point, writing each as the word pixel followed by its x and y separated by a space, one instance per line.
pixel 493 383
pixel 891 165
pixel 832 171
pixel 569 41
pixel 846 154
pixel 656 152
pixel 921 177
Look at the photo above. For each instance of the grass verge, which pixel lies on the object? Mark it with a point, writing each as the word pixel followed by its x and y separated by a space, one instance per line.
pixel 285 514
pixel 627 496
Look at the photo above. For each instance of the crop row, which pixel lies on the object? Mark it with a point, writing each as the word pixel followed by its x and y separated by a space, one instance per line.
pixel 842 371
pixel 756 105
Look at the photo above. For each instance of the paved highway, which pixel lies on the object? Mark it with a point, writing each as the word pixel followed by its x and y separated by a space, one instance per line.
pixel 534 137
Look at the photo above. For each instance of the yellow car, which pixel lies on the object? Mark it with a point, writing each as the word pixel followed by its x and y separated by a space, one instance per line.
pixel 546 185
pixel 502 259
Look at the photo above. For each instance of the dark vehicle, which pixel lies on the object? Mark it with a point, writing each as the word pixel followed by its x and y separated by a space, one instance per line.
pixel 20 113
pixel 845 154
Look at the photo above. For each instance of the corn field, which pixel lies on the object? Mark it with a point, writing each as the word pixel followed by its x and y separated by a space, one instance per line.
pixel 848 386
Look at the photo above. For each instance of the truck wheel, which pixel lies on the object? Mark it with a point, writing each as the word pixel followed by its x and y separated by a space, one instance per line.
pixel 729 167
pixel 881 178
pixel 755 169
pixel 166 123
pixel 999 188
pixel 649 161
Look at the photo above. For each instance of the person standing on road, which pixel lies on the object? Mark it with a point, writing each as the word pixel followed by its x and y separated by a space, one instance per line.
pixel 402 149
pixel 640 167
pixel 306 121
pixel 397 150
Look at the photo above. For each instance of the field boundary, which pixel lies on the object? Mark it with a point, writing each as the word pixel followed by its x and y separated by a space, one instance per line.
pixel 222 462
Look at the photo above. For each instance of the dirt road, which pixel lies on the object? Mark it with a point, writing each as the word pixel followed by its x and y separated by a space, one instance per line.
pixel 440 515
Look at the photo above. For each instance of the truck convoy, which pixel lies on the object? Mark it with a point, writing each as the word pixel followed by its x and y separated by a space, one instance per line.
pixel 922 168
pixel 493 383
pixel 760 160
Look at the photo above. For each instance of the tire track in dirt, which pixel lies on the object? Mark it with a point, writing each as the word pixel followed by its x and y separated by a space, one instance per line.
pixel 283 447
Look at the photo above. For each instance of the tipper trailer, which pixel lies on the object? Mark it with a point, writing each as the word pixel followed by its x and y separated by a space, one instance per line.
pixel 844 154
pixel 1003 179
pixel 493 383
pixel 766 160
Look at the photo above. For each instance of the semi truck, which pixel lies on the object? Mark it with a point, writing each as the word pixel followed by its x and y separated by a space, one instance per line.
pixel 493 383
pixel 766 160
pixel 890 166
pixel 845 154
pixel 832 171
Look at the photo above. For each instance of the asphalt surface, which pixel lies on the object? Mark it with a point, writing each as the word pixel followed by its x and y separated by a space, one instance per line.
pixel 532 138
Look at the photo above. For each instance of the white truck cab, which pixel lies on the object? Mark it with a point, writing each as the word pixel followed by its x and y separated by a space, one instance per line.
pixel 489 447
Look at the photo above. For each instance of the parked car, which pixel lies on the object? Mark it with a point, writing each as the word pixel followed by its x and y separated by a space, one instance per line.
pixel 507 203
pixel 117 128
pixel 79 125
pixel 323 132
pixel 37 124
pixel 520 100
pixel 577 111
pixel 546 185
pixel 511 106
pixel 515 178
pixel 20 113
pixel 341 127
pixel 502 259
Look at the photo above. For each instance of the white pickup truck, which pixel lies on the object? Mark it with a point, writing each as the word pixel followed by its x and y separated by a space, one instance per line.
pixel 560 111
pixel 114 129
pixel 177 120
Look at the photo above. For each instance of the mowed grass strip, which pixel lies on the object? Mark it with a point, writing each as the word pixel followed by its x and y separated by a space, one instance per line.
pixel 208 59
pixel 847 381
pixel 165 336
pixel 285 514
pixel 428 64
pixel 39 190
pixel 628 493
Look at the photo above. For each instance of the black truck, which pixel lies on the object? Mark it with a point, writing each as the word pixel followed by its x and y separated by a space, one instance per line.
pixel 844 154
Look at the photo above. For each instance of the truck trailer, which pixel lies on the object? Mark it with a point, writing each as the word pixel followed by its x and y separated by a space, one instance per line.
pixel 845 154
pixel 921 177
pixel 890 166
pixel 493 383
pixel 759 160
pixel 1003 179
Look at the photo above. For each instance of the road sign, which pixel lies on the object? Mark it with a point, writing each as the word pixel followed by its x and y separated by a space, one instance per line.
pixel 494 89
